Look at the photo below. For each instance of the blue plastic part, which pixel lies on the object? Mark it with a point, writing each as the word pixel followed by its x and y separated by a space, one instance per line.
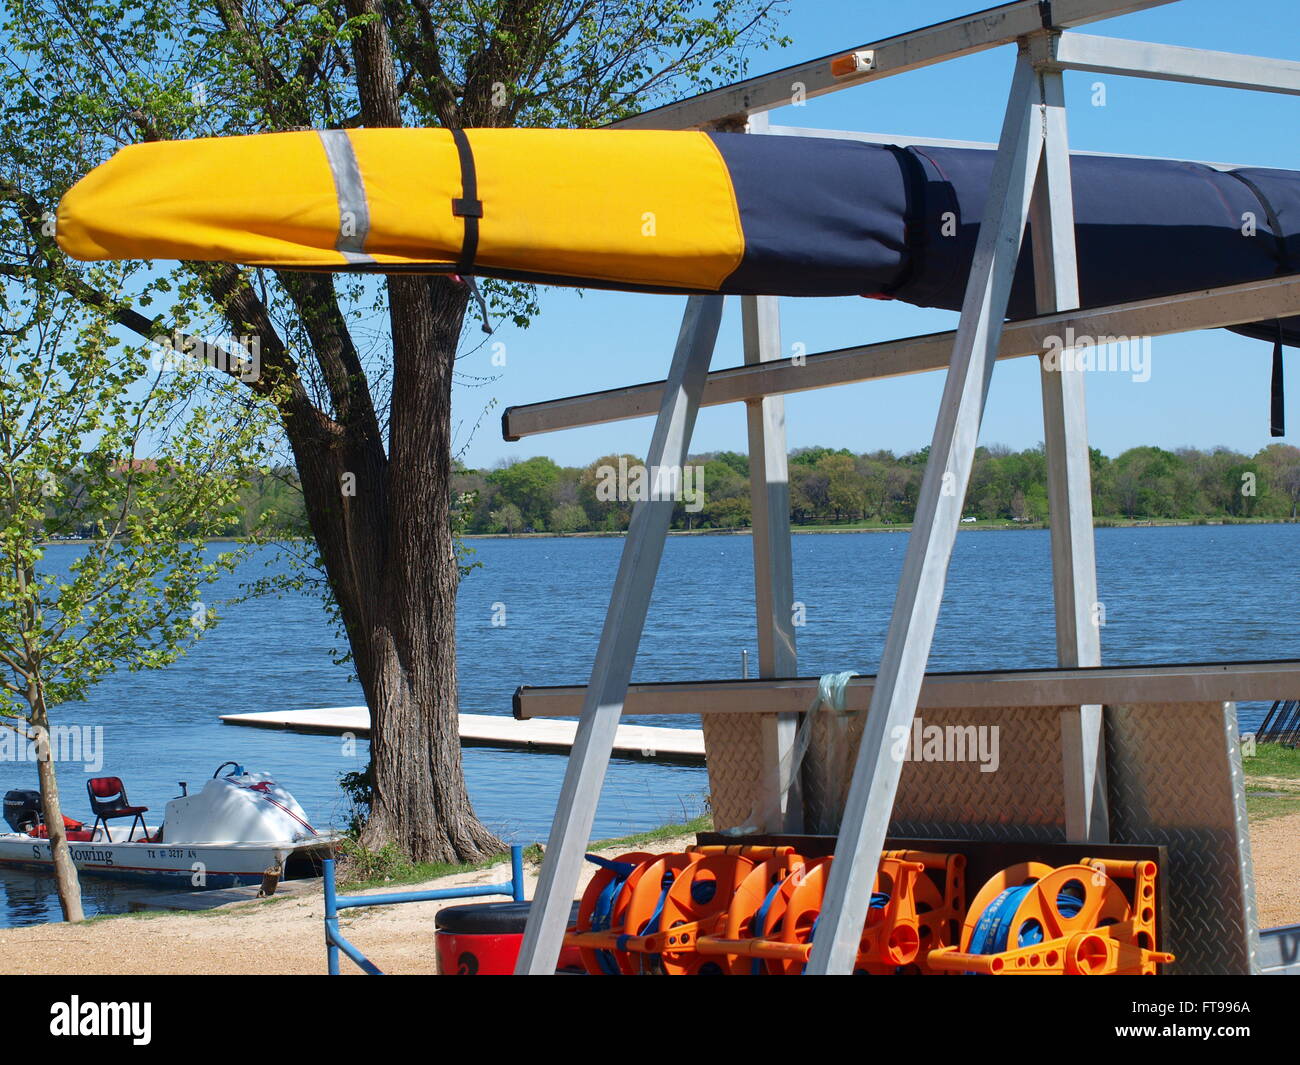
pixel 334 940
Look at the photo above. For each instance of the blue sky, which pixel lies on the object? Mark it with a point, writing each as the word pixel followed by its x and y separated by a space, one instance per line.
pixel 1206 388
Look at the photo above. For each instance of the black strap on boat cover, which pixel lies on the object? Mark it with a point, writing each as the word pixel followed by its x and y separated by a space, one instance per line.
pixel 468 206
pixel 1277 397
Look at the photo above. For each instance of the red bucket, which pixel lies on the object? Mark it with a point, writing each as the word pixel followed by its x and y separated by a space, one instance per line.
pixel 483 939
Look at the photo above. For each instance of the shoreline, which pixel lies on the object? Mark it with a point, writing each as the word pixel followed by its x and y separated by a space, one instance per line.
pixel 980 526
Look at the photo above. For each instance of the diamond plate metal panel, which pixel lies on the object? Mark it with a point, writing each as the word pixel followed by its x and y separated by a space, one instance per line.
pixel 1020 800
pixel 1175 778
pixel 733 748
pixel 951 798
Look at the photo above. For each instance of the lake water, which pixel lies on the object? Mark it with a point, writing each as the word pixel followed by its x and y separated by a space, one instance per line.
pixel 1198 593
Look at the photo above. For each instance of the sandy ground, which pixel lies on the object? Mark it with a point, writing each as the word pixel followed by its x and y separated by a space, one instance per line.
pixel 1275 849
pixel 285 936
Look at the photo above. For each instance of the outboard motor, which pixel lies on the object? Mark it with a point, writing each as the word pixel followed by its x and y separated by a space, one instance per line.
pixel 23 809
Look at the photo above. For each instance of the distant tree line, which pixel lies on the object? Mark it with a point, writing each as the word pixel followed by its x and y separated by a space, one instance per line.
pixel 840 487
pixel 827 487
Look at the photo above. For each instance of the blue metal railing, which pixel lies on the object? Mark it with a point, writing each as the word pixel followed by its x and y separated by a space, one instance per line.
pixel 335 941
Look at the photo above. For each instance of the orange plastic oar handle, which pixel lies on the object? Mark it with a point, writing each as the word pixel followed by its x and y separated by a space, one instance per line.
pixel 756 852
pixel 755 948
pixel 950 959
pixel 929 859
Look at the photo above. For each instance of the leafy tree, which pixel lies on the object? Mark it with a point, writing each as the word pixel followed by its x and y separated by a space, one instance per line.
pixel 594 489
pixel 811 456
pixel 1280 464
pixel 568 518
pixel 844 487
pixel 528 485
pixel 369 424
pixel 726 495
pixel 95 437
pixel 508 519
pixel 739 463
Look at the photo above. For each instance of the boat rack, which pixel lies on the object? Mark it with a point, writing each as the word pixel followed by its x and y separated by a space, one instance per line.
pixel 1144 754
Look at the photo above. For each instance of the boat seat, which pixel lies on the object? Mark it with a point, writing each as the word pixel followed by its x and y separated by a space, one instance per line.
pixel 74 830
pixel 108 801
pixel 75 835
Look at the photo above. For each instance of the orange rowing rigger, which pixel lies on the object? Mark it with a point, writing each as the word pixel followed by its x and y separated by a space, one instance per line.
pixel 1075 920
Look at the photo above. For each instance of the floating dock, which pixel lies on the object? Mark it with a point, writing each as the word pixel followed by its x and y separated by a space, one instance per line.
pixel 490 730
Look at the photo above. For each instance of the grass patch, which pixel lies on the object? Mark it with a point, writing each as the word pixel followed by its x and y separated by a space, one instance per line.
pixel 1273 760
pixel 374 870
pixel 703 823
pixel 135 915
pixel 362 869
pixel 1264 805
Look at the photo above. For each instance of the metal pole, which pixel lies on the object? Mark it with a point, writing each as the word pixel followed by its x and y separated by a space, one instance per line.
pixel 642 550
pixel 331 919
pixel 517 874
pixel 1069 475
pixel 911 629
pixel 769 494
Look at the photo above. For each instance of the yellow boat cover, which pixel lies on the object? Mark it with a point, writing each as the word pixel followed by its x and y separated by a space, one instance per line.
pixel 556 203
pixel 670 211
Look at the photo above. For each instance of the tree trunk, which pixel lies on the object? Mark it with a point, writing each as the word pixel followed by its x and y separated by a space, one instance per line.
pixel 382 523
pixel 65 872
pixel 420 794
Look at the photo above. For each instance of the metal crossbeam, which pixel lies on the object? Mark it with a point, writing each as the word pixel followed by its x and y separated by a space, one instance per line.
pixel 1253 301
pixel 972 33
pixel 1167 62
pixel 624 620
pixel 1221 682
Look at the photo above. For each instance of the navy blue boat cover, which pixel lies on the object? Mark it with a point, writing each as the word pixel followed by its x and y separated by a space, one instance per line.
pixel 903 222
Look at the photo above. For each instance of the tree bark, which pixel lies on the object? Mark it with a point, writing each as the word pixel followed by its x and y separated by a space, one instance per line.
pixel 65 872
pixel 382 522
pixel 420 794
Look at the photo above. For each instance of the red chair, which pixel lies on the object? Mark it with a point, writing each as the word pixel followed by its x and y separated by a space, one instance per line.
pixel 108 800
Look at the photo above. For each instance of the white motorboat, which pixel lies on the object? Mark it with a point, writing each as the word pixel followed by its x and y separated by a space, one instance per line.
pixel 234 830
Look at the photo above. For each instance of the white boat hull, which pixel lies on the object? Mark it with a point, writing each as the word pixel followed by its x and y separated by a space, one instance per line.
pixel 196 866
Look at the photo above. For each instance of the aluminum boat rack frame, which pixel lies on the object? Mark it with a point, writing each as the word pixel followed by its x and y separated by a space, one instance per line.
pixel 1139 754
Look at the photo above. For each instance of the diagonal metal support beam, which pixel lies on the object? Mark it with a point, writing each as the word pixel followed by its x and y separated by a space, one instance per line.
pixel 1069 472
pixel 943 491
pixel 624 620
